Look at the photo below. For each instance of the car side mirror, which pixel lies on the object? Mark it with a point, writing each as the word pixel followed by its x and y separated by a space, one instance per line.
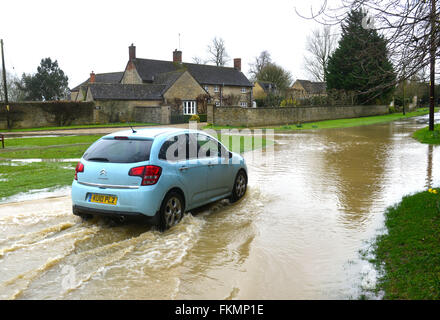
pixel 230 154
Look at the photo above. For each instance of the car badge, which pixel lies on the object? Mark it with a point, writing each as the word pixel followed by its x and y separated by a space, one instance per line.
pixel 103 172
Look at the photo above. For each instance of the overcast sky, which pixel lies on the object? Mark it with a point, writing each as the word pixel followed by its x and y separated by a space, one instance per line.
pixel 95 35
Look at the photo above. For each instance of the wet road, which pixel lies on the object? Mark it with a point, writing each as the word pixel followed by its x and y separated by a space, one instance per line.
pixel 296 234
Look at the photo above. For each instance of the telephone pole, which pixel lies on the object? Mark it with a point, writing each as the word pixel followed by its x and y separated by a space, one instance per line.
pixel 432 65
pixel 5 87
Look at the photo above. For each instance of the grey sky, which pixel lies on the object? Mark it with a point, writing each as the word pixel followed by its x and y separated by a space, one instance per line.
pixel 95 35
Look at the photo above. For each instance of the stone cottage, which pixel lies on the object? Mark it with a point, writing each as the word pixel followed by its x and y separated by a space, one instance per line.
pixel 153 83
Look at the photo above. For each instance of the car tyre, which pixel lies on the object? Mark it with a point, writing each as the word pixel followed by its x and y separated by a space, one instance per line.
pixel 240 186
pixel 171 211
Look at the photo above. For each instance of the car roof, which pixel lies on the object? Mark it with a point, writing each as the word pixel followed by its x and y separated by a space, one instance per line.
pixel 148 133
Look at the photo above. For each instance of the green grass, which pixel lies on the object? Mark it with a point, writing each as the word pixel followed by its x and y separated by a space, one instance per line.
pixel 426 136
pixel 339 123
pixel 25 177
pixel 88 126
pixel 410 251
pixel 48 141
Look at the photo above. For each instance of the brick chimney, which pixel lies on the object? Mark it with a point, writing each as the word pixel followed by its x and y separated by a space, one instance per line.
pixel 132 52
pixel 177 56
pixel 237 64
pixel 92 77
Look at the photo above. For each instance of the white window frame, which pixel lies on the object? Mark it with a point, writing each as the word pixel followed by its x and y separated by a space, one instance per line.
pixel 243 104
pixel 217 103
pixel 189 107
pixel 216 89
pixel 243 90
pixel 206 88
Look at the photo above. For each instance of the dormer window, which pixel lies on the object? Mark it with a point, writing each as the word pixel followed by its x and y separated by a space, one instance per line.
pixel 216 89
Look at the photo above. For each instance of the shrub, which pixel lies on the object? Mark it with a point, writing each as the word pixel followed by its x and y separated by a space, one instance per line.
pixel 194 117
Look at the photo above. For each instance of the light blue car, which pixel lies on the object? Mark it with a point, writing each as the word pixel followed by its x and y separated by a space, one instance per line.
pixel 156 173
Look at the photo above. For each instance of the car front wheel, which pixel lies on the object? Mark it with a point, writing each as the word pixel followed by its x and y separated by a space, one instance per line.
pixel 240 186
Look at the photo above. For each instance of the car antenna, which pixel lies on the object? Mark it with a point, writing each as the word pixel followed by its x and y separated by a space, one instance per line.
pixel 134 131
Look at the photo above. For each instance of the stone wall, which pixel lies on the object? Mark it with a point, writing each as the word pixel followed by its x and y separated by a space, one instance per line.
pixel 258 117
pixel 42 114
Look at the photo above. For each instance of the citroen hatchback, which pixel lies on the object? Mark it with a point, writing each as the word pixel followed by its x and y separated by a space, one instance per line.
pixel 157 174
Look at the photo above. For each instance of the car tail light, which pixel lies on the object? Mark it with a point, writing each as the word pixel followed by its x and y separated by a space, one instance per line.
pixel 149 174
pixel 79 168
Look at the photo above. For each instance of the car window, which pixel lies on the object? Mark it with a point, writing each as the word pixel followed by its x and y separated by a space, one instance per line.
pixel 175 148
pixel 207 147
pixel 119 151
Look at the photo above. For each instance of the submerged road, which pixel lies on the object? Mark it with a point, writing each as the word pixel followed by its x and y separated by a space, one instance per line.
pixel 296 234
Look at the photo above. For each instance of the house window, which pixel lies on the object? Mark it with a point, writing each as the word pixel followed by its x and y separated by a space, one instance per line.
pixel 217 103
pixel 216 89
pixel 243 90
pixel 189 107
pixel 243 104
pixel 206 88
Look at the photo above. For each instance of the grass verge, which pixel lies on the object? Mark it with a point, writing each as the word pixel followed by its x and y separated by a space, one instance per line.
pixel 338 123
pixel 426 136
pixel 410 252
pixel 16 178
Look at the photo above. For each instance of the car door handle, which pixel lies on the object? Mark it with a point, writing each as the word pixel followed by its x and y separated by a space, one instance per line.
pixel 183 168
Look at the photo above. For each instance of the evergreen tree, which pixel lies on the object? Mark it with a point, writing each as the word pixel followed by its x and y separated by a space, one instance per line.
pixel 361 63
pixel 49 83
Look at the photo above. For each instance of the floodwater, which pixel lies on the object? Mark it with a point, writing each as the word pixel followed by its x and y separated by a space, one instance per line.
pixel 296 234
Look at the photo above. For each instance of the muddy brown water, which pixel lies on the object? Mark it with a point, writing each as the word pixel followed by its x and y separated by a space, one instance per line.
pixel 296 234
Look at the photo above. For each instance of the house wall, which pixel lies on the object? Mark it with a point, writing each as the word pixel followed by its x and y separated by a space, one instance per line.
pixel 228 90
pixel 185 88
pixel 258 92
pixel 73 95
pixel 256 117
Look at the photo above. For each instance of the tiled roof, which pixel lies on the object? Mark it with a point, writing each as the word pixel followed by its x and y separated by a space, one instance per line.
pixel 204 74
pixel 117 91
pixel 313 87
pixel 110 77
pixel 268 87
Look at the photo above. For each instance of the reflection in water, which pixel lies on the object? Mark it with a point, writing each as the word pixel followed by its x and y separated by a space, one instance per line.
pixel 296 234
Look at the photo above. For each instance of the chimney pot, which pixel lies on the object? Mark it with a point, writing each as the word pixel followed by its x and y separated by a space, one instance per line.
pixel 132 52
pixel 177 56
pixel 237 64
pixel 92 77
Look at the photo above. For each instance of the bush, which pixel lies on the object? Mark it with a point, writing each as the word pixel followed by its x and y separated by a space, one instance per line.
pixel 203 117
pixel 194 117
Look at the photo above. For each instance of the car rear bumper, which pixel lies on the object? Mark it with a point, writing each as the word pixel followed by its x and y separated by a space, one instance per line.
pixel 79 210
pixel 145 200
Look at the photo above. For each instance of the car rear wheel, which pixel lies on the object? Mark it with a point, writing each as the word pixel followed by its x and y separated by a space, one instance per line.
pixel 240 186
pixel 171 211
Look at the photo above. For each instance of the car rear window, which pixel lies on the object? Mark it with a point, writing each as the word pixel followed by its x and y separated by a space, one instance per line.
pixel 119 151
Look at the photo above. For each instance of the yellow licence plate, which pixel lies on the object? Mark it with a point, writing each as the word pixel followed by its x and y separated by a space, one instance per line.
pixel 101 198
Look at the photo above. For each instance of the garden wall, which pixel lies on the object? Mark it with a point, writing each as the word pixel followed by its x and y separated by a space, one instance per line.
pixel 41 114
pixel 258 117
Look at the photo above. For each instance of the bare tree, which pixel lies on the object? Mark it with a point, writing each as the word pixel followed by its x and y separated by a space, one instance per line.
pixel 320 45
pixel 260 62
pixel 411 28
pixel 198 60
pixel 217 52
